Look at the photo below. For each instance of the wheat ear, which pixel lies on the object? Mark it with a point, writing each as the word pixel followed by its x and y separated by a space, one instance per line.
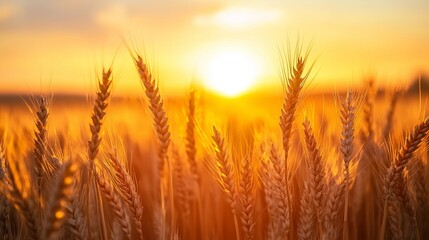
pixel 128 190
pixel 76 221
pixel 191 150
pixel 4 205
pixel 268 183
pixel 61 198
pixel 181 187
pixel 368 110
pixel 279 188
pixel 226 173
pixel 22 202
pixel 295 82
pixel 40 145
pixel 97 117
pixel 333 207
pixel 389 116
pixel 394 176
pixel 247 199
pixel 160 122
pixel 98 113
pixel 306 228
pixel 156 106
pixel 346 148
pixel 115 203
pixel 317 171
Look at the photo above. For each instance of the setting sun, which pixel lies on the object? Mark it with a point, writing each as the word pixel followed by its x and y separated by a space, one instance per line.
pixel 231 72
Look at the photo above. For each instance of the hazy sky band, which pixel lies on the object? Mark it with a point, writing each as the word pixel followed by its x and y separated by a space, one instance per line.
pixel 59 45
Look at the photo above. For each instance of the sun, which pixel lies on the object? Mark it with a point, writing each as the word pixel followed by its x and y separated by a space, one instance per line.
pixel 231 72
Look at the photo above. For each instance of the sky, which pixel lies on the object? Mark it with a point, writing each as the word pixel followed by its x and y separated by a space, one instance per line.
pixel 61 46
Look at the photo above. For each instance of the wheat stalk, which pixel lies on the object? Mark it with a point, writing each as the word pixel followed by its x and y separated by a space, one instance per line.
pixel 160 122
pixel 97 117
pixel 294 81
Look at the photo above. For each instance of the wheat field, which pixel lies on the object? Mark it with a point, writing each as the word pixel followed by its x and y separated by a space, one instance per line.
pixel 345 165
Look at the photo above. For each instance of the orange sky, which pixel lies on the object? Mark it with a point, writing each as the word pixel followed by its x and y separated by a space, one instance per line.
pixel 57 46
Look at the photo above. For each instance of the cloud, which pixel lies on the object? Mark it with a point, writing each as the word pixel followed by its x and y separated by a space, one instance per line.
pixel 239 17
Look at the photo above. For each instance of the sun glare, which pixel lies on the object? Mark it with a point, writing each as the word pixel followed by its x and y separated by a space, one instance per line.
pixel 231 72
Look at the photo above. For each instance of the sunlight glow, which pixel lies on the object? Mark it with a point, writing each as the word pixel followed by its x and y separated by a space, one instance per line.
pixel 240 17
pixel 231 72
